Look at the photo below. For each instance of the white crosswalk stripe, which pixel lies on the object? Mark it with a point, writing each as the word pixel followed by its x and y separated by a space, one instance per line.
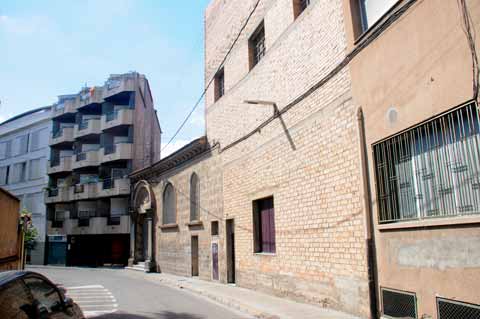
pixel 94 300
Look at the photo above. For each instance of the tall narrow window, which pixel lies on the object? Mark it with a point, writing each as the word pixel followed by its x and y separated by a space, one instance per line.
pixel 299 6
pixel 431 170
pixel 256 45
pixel 219 84
pixel 5 149
pixel 21 145
pixel 169 205
pixel 264 226
pixel 19 172
pixel 194 197
pixel 3 175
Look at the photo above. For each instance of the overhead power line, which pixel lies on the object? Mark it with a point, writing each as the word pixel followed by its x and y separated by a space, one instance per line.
pixel 213 77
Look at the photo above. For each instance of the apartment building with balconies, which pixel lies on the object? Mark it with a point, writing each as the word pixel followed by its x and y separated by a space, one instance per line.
pixel 23 161
pixel 98 137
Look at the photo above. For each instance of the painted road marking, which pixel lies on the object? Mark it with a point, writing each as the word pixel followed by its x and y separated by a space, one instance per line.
pixel 94 300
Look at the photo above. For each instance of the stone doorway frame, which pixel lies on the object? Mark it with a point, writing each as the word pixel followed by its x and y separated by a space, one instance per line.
pixel 143 212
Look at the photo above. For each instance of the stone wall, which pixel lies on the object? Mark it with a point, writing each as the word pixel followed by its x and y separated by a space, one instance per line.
pixel 307 159
pixel 173 245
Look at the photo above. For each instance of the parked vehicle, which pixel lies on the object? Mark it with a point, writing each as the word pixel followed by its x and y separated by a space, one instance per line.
pixel 29 295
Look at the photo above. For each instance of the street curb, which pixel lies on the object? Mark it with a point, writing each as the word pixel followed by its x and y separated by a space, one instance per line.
pixel 229 302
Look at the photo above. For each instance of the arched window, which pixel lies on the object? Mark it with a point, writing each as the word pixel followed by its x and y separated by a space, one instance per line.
pixel 169 205
pixel 194 197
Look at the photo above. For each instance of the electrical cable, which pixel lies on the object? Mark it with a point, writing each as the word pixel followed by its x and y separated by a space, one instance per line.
pixel 213 77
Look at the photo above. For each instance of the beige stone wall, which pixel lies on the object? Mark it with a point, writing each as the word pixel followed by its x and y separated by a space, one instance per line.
pixel 173 245
pixel 308 160
pixel 420 67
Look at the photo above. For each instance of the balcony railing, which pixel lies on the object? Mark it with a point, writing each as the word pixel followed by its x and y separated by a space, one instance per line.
pixel 81 156
pixel 53 192
pixel 79 188
pixel 57 133
pixel 111 116
pixel 114 220
pixel 54 162
pixel 109 149
pixel 57 224
pixel 108 183
pixel 83 222
pixel 83 125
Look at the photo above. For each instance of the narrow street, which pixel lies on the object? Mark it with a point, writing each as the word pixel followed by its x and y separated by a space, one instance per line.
pixel 117 294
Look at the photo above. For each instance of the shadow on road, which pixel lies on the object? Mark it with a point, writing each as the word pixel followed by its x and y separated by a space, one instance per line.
pixel 160 315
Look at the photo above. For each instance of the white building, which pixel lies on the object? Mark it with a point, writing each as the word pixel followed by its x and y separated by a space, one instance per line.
pixel 24 154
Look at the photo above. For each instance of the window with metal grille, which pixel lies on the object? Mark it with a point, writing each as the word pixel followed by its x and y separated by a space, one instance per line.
pixel 432 170
pixel 264 225
pixel 399 304
pixel 299 6
pixel 257 45
pixel 452 309
pixel 219 84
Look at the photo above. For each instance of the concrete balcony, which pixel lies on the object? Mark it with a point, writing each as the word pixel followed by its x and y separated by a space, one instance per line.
pixel 117 118
pixel 90 96
pixel 84 191
pixel 86 159
pixel 117 85
pixel 63 165
pixel 87 128
pixel 64 108
pixel 62 136
pixel 57 195
pixel 115 152
pixel 92 226
pixel 114 187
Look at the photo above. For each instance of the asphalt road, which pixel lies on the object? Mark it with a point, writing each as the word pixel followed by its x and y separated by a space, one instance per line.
pixel 119 294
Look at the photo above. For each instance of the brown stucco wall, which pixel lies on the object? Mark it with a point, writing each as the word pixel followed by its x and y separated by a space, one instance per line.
pixel 420 66
pixel 10 244
pixel 147 134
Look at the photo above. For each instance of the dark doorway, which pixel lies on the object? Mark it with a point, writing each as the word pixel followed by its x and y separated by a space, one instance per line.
pixel 195 256
pixel 230 233
pixel 215 261
pixel 98 250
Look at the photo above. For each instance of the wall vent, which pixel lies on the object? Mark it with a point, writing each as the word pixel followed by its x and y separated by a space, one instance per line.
pixel 399 304
pixel 451 309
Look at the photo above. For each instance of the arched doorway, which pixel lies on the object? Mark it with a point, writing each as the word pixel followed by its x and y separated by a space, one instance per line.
pixel 142 227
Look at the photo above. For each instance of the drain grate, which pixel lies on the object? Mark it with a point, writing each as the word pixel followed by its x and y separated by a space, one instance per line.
pixel 451 309
pixel 399 304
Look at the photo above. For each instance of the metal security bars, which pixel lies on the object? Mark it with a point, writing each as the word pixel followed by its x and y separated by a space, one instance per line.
pixel 431 170
pixel 451 309
pixel 399 304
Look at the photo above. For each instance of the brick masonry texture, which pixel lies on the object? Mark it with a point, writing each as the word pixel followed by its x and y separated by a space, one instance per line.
pixel 308 160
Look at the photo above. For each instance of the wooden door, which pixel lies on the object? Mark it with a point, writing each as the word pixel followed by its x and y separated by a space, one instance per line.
pixel 194 256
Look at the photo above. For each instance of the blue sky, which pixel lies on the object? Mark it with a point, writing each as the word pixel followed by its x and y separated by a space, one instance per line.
pixel 49 48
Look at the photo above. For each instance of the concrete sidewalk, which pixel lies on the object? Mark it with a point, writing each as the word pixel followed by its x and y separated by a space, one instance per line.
pixel 254 303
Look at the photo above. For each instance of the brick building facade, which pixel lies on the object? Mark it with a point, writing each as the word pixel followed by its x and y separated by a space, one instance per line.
pixel 305 159
pixel 300 95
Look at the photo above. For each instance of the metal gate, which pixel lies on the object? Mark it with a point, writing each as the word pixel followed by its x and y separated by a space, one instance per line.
pixel 57 250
